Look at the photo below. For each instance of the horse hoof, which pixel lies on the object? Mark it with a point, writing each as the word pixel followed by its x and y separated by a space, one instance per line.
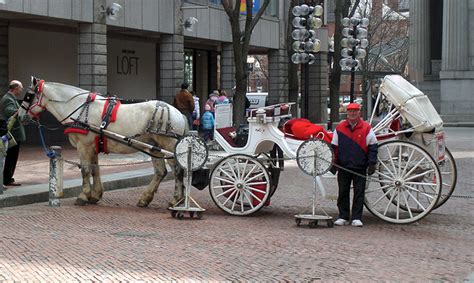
pixel 142 204
pixel 80 202
pixel 93 200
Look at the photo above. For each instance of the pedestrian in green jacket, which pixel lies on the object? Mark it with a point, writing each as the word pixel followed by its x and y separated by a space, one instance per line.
pixel 8 110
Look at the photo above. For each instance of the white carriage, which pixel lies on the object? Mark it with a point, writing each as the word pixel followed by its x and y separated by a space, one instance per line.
pixel 413 164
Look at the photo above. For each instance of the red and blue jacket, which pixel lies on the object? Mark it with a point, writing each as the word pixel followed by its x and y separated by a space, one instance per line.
pixel 355 147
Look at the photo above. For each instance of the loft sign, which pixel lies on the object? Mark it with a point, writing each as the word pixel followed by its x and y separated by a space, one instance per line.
pixel 127 63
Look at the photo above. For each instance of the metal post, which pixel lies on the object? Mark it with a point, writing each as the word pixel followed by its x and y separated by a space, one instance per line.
pixel 354 49
pixel 55 177
pixel 189 173
pixel 306 91
pixel 3 154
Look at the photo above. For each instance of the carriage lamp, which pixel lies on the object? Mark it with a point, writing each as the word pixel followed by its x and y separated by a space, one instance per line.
pixel 306 20
pixel 354 43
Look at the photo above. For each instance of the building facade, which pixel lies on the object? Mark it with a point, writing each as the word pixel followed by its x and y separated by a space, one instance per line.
pixel 441 56
pixel 142 53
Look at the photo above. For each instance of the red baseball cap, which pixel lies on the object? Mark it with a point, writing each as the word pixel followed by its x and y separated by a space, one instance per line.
pixel 353 106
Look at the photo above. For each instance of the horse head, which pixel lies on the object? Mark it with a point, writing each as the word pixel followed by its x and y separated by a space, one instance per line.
pixel 31 103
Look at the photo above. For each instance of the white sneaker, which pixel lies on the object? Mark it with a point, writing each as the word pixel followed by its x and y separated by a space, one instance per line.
pixel 357 223
pixel 341 222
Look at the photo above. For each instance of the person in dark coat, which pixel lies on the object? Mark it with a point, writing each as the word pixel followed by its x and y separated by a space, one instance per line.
pixel 9 110
pixel 355 146
pixel 184 102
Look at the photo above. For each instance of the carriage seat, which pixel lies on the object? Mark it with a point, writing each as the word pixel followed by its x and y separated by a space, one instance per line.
pixel 226 133
pixel 272 113
pixel 303 129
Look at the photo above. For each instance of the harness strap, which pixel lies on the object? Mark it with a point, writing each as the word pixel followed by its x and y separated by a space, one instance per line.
pixel 109 114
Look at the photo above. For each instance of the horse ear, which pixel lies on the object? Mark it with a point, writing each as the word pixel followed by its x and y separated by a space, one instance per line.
pixel 34 81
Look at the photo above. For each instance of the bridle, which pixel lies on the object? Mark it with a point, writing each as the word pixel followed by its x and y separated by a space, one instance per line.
pixel 35 90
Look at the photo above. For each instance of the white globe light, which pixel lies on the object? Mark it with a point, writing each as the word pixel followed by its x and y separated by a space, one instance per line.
pixel 315 22
pixel 296 11
pixel 297 46
pixel 317 45
pixel 312 59
pixel 364 43
pixel 354 21
pixel 308 46
pixel 296 58
pixel 299 34
pixel 345 42
pixel 304 10
pixel 345 63
pixel 364 22
pixel 347 32
pixel 312 33
pixel 318 10
pixel 346 22
pixel 304 58
pixel 362 33
pixel 298 22
pixel 360 53
pixel 346 52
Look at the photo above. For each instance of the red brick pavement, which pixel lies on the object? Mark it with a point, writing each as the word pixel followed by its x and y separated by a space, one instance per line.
pixel 116 241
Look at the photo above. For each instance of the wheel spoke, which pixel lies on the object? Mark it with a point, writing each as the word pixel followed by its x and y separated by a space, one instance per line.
pixel 386 168
pixel 416 200
pixel 386 176
pixel 250 172
pixel 391 161
pixel 407 205
pixel 399 160
pixel 241 197
pixel 250 201
pixel 256 176
pixel 235 177
pixel 398 204
pixel 257 183
pixel 229 197
pixel 224 187
pixel 390 202
pixel 256 190
pixel 378 189
pixel 414 167
pixel 421 184
pixel 382 197
pixel 418 191
pixel 235 199
pixel 408 162
pixel 254 196
pixel 232 178
pixel 419 175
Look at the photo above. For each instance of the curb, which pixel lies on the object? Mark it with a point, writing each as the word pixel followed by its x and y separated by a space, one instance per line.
pixel 72 188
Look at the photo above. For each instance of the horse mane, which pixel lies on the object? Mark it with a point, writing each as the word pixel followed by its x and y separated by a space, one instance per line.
pixel 69 88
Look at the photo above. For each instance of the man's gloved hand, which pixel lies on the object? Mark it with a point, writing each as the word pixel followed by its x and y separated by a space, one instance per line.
pixel 371 169
pixel 333 170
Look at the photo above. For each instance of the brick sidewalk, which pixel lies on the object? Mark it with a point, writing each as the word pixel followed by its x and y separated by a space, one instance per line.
pixel 116 241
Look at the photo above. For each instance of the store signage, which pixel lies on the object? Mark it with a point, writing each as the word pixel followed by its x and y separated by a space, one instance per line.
pixel 127 63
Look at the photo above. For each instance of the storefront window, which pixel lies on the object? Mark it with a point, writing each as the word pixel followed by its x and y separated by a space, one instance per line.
pixel 272 8
pixel 188 68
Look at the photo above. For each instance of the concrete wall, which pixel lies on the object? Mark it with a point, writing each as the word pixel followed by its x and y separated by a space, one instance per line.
pixel 50 55
pixel 131 68
pixel 78 10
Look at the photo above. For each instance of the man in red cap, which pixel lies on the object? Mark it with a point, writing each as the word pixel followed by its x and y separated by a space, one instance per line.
pixel 355 146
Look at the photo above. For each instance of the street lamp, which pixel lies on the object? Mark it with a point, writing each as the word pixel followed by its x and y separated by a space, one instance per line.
pixel 250 62
pixel 354 44
pixel 306 20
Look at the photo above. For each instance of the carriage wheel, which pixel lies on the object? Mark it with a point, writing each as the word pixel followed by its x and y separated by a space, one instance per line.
pixel 407 185
pixel 239 184
pixel 449 173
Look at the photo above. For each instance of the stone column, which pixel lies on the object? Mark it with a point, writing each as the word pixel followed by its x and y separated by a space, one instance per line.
pixel 227 68
pixel 277 76
pixel 92 53
pixel 419 50
pixel 457 67
pixel 171 66
pixel 4 58
pixel 318 89
pixel 455 35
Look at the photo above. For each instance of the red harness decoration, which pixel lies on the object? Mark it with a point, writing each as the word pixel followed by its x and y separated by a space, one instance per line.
pixel 113 115
pixel 101 140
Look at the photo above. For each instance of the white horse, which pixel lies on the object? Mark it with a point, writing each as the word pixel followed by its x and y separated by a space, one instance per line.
pixel 154 122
